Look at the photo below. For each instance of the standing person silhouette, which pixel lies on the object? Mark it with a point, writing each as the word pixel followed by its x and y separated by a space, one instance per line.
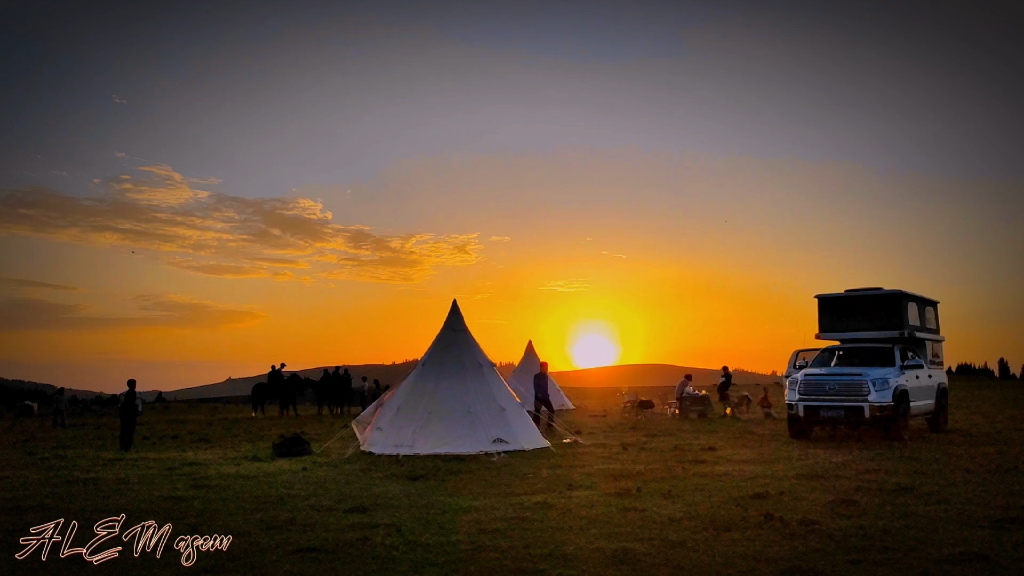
pixel 337 395
pixel 346 390
pixel 364 393
pixel 60 409
pixel 129 409
pixel 278 390
pixel 322 392
pixel 541 397
pixel 724 384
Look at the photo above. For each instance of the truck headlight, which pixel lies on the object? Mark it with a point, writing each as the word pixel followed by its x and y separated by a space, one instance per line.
pixel 792 383
pixel 881 384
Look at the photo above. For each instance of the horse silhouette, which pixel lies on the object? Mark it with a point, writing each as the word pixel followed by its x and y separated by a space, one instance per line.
pixel 286 394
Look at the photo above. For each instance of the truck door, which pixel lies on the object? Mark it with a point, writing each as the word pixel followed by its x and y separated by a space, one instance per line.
pixel 935 366
pixel 916 379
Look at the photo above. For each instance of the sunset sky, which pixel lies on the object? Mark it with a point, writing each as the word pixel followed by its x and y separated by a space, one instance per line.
pixel 190 192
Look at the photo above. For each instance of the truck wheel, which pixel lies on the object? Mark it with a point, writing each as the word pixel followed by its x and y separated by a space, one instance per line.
pixel 797 429
pixel 900 424
pixel 939 420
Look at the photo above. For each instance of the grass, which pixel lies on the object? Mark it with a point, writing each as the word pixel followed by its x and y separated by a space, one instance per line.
pixel 655 496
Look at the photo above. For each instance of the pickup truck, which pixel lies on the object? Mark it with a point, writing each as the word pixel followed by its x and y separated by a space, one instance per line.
pixel 886 369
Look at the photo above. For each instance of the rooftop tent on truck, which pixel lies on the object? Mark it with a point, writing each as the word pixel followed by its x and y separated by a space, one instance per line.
pixel 877 313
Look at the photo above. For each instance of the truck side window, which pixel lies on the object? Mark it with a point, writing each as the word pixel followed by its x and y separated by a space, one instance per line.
pixel 907 353
pixel 929 317
pixel 913 314
pixel 935 359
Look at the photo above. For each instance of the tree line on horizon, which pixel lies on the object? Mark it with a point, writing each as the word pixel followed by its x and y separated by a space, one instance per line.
pixel 1002 371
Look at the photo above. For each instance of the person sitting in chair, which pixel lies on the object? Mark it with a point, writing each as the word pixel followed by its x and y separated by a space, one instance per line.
pixel 685 386
pixel 766 406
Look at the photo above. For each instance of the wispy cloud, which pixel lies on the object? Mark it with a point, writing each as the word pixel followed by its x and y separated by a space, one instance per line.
pixel 187 312
pixel 34 284
pixel 577 285
pixel 500 238
pixel 613 255
pixel 119 100
pixel 168 311
pixel 190 227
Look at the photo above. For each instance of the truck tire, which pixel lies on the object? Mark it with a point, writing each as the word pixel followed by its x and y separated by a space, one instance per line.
pixel 797 429
pixel 939 420
pixel 897 428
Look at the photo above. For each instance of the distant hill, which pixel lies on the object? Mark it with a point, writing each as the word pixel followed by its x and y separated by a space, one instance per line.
pixel 388 374
pixel 632 375
pixel 48 389
pixel 636 375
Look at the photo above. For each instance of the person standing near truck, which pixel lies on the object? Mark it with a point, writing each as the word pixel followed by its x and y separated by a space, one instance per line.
pixel 724 384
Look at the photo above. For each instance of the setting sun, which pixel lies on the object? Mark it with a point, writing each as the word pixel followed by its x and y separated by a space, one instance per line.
pixel 594 350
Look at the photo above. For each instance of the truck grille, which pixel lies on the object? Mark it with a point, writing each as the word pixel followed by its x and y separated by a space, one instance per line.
pixel 834 388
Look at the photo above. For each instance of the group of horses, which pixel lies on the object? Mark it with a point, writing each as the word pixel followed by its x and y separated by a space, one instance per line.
pixel 294 386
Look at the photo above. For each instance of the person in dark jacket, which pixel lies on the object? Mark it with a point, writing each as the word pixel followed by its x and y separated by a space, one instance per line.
pixel 724 384
pixel 541 397
pixel 129 410
pixel 346 390
pixel 364 394
pixel 60 409
pixel 322 391
pixel 335 398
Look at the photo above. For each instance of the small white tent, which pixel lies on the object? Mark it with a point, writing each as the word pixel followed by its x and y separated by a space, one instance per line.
pixel 521 382
pixel 453 402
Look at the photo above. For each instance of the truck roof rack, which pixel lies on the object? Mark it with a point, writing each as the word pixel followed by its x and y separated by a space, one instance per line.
pixel 873 290
pixel 877 313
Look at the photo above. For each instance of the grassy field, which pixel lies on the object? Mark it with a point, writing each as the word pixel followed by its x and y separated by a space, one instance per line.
pixel 654 496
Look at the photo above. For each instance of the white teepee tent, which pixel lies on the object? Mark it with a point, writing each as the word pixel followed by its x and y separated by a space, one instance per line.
pixel 453 402
pixel 521 382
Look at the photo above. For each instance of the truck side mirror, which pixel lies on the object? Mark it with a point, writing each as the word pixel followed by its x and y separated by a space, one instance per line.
pixel 800 364
pixel 914 364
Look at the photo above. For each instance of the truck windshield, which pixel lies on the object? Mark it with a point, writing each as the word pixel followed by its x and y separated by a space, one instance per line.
pixel 855 357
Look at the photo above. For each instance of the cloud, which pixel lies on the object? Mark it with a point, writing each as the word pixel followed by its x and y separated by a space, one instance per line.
pixel 119 100
pixel 34 284
pixel 500 238
pixel 612 255
pixel 217 234
pixel 187 312
pixel 167 311
pixel 219 268
pixel 578 285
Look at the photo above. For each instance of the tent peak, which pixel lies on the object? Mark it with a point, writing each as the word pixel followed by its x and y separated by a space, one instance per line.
pixel 529 349
pixel 455 320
